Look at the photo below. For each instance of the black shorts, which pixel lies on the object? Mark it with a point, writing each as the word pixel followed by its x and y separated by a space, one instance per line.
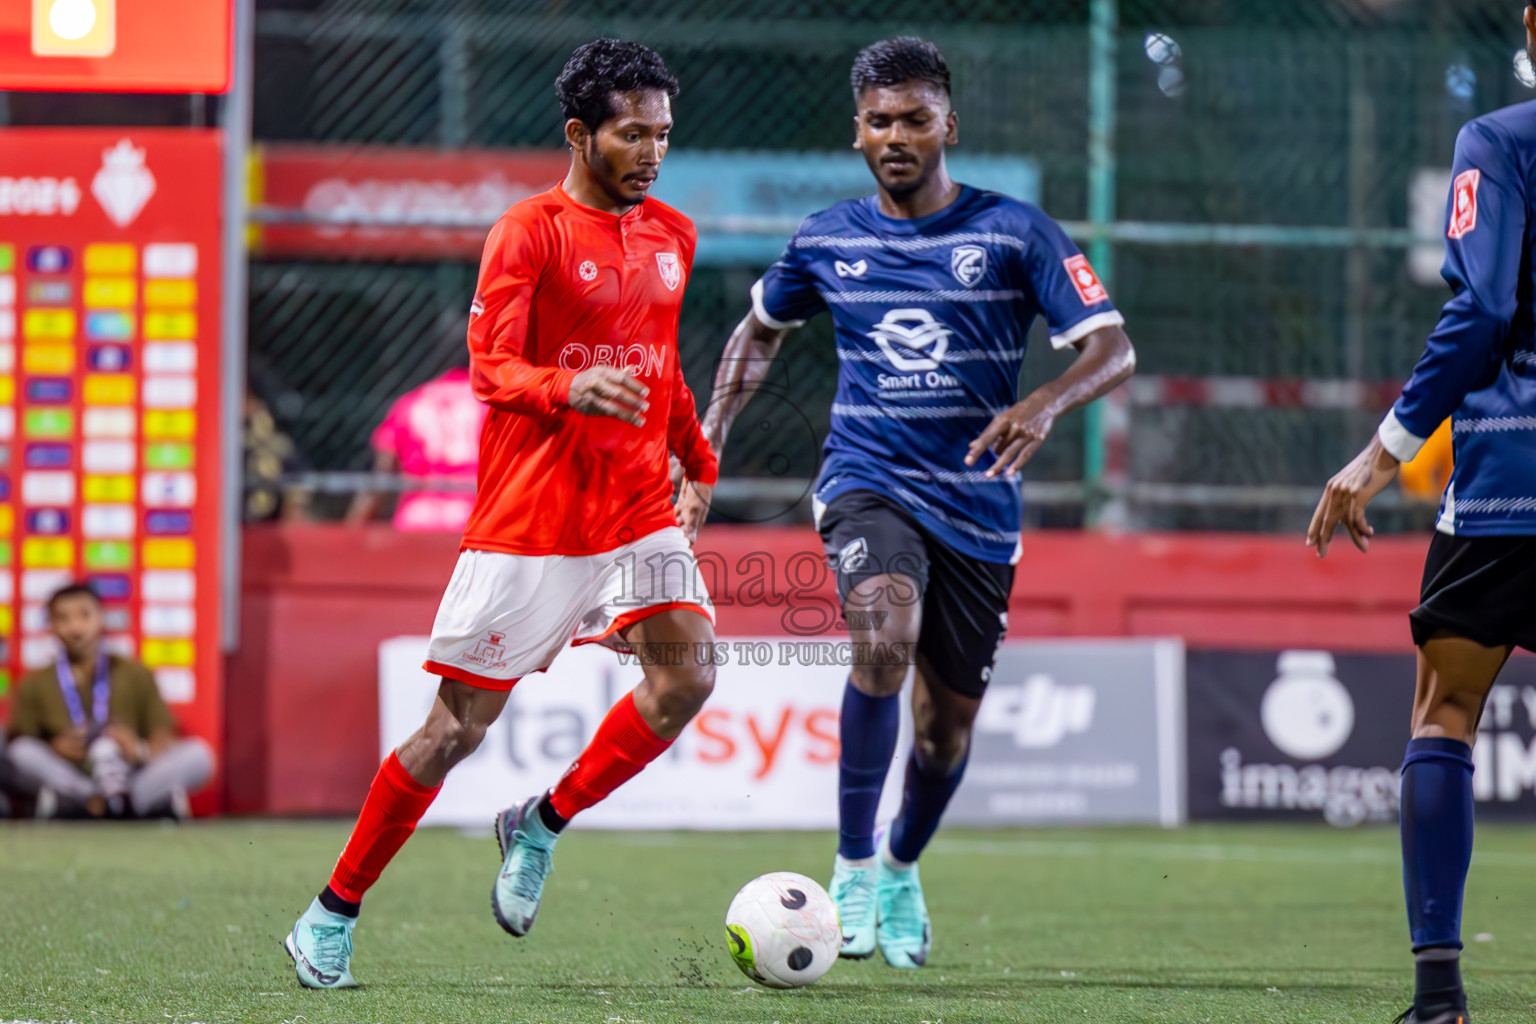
pixel 964 599
pixel 1482 588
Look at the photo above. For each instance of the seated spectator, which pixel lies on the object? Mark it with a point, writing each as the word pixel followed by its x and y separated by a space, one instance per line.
pixel 270 456
pixel 90 733
pixel 431 431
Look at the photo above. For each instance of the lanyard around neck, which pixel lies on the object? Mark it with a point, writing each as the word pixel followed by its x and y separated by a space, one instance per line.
pixel 101 691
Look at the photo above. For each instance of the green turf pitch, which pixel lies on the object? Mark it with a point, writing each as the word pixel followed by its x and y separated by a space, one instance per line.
pixel 1207 924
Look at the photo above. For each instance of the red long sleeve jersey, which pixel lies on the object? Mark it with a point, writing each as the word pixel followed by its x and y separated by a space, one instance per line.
pixel 564 287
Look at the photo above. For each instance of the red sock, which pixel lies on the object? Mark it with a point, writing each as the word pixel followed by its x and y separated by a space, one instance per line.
pixel 395 804
pixel 624 744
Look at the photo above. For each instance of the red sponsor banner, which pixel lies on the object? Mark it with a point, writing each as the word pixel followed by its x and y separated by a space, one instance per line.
pixel 391 203
pixel 109 398
pixel 116 45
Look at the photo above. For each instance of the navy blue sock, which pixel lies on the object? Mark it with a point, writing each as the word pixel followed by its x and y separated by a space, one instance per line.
pixel 1436 822
pixel 868 731
pixel 923 800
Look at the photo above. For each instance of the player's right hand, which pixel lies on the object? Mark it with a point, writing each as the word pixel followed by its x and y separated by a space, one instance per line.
pixel 610 391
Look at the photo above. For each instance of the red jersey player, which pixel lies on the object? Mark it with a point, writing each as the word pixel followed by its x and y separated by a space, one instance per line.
pixel 573 539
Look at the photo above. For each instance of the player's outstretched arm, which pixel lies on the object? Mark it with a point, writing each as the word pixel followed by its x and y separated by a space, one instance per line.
pixel 748 356
pixel 744 365
pixel 1105 358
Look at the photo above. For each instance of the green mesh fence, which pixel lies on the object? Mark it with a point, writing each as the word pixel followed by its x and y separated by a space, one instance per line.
pixel 1299 115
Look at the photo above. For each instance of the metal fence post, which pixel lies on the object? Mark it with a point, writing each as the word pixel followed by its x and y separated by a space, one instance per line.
pixel 235 311
pixel 1103 27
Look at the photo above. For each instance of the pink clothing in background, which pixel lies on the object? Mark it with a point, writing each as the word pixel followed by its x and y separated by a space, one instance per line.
pixel 435 432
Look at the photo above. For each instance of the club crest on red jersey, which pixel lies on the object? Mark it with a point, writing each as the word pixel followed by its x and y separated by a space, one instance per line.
pixel 1464 203
pixel 671 270
pixel 1087 283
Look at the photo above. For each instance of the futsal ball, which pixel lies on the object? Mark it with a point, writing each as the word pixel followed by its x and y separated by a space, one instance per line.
pixel 783 930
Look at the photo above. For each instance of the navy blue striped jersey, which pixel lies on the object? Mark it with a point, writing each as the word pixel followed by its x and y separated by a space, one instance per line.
pixel 1479 364
pixel 931 316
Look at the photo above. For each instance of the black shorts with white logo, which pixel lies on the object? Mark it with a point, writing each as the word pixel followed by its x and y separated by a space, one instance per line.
pixel 964 599
pixel 1482 588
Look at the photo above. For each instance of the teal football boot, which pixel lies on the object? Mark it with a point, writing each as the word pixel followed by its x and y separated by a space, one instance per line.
pixel 904 931
pixel 526 848
pixel 321 946
pixel 853 890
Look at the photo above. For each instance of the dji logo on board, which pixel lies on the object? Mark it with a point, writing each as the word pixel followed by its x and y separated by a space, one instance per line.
pixel 1039 713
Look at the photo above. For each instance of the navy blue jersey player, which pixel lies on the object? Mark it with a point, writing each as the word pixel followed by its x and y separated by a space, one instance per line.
pixel 1478 596
pixel 932 287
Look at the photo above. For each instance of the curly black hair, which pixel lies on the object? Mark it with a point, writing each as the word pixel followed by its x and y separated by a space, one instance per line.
pixel 896 60
pixel 603 67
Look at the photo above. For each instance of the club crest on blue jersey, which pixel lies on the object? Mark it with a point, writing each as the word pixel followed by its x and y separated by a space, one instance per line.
pixel 968 263
pixel 912 339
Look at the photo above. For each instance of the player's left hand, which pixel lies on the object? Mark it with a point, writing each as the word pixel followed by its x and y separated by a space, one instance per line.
pixel 1347 494
pixel 1014 435
pixel 691 508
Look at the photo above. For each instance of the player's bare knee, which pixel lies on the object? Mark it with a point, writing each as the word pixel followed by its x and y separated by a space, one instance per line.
pixel 681 693
pixel 697 683
pixel 884 670
pixel 941 752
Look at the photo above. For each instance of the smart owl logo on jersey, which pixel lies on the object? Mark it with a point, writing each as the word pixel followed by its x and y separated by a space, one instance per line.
pixel 858 268
pixel 671 270
pixel 968 263
pixel 912 339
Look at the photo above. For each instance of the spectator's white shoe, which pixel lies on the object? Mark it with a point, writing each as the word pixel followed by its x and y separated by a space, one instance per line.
pixel 47 803
pixel 181 804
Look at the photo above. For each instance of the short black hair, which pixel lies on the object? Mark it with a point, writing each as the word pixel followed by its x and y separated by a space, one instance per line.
pixel 76 589
pixel 896 60
pixel 603 67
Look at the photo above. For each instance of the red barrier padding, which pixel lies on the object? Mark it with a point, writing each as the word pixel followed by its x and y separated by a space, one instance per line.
pixel 302 698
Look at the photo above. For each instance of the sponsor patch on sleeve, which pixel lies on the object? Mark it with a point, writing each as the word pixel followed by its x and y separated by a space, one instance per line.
pixel 1464 203
pixel 1085 280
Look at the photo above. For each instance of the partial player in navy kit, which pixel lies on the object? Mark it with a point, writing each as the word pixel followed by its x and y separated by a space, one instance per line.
pixel 1478 597
pixel 932 286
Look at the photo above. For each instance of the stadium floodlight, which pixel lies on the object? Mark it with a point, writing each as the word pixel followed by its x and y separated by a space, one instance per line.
pixel 1162 48
pixel 1460 82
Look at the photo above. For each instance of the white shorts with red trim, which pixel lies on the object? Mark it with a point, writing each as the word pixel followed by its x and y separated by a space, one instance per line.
pixel 504 616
